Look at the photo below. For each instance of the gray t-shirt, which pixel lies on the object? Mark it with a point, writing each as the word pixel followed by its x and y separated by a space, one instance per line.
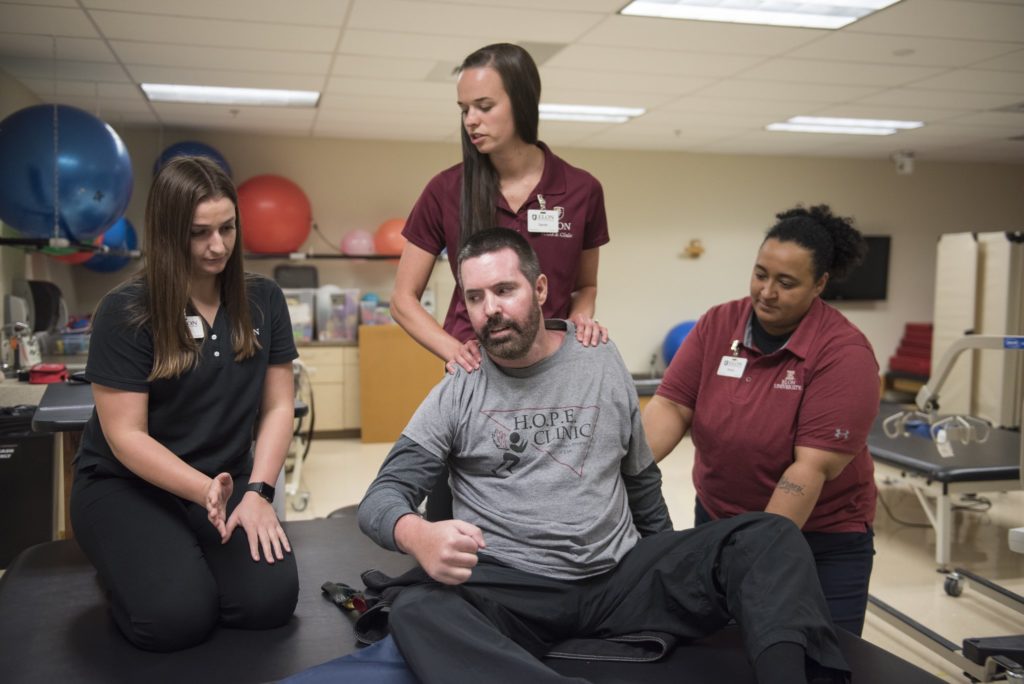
pixel 538 455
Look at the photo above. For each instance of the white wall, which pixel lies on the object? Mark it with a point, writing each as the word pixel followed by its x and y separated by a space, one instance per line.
pixel 656 203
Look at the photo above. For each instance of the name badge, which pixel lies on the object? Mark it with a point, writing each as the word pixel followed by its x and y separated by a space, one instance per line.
pixel 732 366
pixel 542 221
pixel 195 326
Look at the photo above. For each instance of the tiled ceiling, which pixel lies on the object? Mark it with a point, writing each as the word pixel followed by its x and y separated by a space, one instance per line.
pixel 383 67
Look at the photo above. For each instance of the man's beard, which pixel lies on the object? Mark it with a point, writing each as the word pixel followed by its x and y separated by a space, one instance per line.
pixel 516 345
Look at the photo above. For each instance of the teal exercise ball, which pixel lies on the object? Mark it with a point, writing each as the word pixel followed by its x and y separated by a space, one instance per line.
pixel 674 339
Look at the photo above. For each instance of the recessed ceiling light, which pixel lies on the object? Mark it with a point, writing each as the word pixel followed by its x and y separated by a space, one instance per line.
pixel 258 97
pixel 846 121
pixel 822 14
pixel 589 113
pixel 846 130
pixel 845 126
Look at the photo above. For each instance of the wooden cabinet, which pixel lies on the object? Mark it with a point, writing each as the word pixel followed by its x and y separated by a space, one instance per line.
pixel 395 376
pixel 334 377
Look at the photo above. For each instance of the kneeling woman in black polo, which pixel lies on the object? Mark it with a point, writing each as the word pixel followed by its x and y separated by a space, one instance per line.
pixel 191 368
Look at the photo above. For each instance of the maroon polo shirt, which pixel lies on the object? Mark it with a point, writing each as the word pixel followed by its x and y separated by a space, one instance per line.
pixel 820 390
pixel 434 225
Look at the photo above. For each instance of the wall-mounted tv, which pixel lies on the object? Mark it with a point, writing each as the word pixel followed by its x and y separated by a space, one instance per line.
pixel 870 280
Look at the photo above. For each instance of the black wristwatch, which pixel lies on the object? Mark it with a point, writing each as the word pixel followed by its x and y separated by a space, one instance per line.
pixel 263 489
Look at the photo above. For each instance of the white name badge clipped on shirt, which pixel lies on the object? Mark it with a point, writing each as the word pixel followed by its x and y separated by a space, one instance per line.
pixel 195 326
pixel 542 220
pixel 732 366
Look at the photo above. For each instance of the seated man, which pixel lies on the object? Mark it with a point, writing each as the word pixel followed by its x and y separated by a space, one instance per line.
pixel 560 527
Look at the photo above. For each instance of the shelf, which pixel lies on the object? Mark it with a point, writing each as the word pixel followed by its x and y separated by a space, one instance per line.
pixel 303 256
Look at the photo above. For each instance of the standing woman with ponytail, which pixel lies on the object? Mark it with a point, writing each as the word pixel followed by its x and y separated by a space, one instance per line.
pixel 505 177
pixel 779 391
pixel 191 371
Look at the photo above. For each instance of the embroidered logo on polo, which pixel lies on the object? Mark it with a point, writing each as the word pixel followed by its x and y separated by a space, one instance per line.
pixel 789 382
pixel 563 434
pixel 842 434
pixel 564 227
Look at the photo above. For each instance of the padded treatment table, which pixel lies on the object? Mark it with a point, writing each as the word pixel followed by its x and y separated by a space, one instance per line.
pixel 55 626
pixel 991 466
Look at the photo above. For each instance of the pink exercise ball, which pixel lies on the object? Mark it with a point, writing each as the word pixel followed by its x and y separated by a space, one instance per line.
pixel 276 215
pixel 357 242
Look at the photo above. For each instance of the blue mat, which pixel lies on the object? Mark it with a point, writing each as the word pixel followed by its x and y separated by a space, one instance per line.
pixel 380 663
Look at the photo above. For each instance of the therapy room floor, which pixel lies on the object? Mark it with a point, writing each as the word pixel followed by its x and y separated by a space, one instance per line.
pixel 337 471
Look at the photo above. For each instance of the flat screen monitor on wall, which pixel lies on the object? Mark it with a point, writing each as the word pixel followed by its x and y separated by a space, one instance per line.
pixel 870 280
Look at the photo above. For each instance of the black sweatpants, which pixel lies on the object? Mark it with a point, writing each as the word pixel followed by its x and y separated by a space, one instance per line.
pixel 169 579
pixel 755 568
pixel 843 561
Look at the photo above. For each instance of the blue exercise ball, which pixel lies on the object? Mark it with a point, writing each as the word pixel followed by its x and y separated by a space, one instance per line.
pixel 93 175
pixel 674 339
pixel 191 148
pixel 121 236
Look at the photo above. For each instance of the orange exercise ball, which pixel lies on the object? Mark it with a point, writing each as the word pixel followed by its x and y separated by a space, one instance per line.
pixel 276 215
pixel 388 239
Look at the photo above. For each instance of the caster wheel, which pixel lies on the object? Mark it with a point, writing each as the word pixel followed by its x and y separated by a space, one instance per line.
pixel 954 585
pixel 300 502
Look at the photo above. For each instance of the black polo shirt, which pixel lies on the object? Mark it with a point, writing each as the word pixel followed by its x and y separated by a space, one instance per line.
pixel 207 415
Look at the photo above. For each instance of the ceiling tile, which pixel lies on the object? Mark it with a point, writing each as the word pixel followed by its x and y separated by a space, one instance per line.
pixel 378 103
pixel 947 19
pixel 652 62
pixel 837 73
pixel 1012 123
pixel 393 44
pixel 976 81
pixel 583 96
pixel 234 79
pixel 939 99
pixel 901 50
pixel 227 59
pixel 309 12
pixel 341 85
pixel 441 18
pixel 774 90
pixel 775 109
pixel 41 47
pixel 597 6
pixel 698 36
pixel 620 82
pixel 365 66
pixel 71 71
pixel 394 120
pixel 214 32
pixel 879 111
pixel 47 21
pixel 1013 61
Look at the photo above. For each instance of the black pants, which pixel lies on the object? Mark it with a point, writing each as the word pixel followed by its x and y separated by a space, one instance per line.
pixel 755 568
pixel 844 561
pixel 169 578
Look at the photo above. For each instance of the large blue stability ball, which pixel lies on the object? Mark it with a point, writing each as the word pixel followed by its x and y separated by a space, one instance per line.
pixel 674 339
pixel 94 173
pixel 191 148
pixel 120 236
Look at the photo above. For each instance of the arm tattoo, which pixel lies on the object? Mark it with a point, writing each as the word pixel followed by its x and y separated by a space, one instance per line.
pixel 790 487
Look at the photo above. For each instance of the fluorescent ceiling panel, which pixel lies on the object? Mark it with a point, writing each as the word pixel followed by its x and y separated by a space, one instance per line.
pixel 258 97
pixel 588 113
pixel 819 14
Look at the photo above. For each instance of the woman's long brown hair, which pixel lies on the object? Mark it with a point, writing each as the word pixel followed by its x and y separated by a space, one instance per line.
pixel 480 181
pixel 181 186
